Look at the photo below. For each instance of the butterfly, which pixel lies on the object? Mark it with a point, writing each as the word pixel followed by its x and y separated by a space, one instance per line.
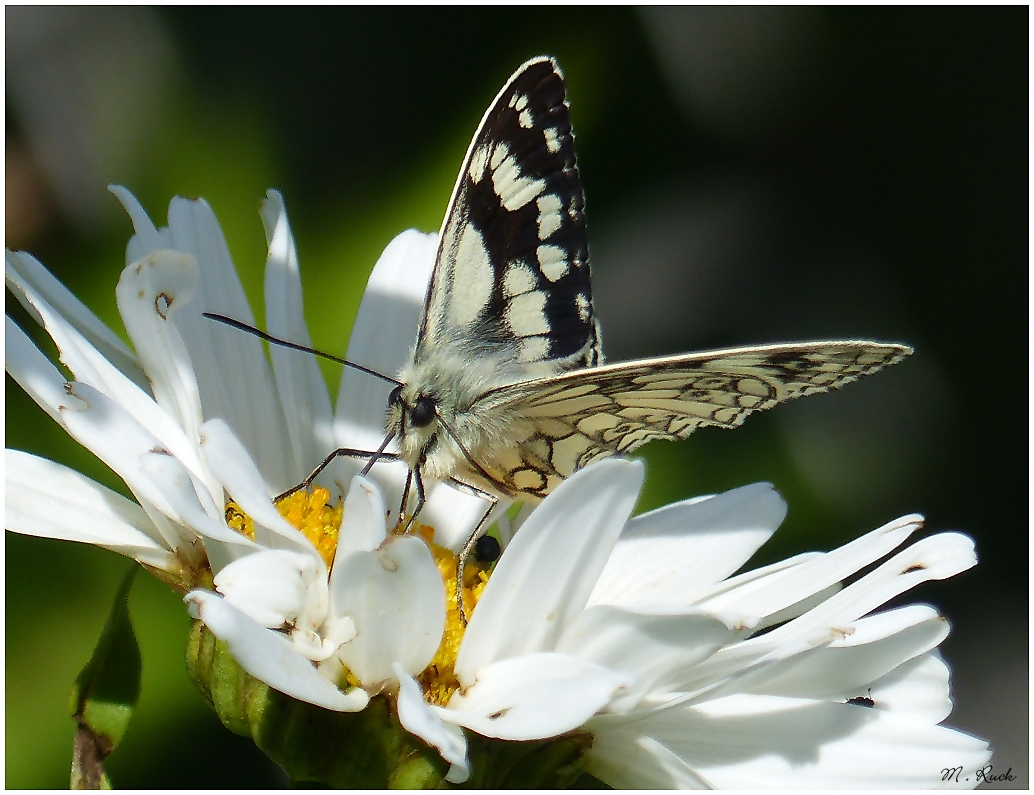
pixel 506 390
pixel 506 393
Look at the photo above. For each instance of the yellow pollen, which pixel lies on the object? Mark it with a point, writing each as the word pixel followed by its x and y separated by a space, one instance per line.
pixel 316 520
pixel 307 512
pixel 438 680
pixel 237 520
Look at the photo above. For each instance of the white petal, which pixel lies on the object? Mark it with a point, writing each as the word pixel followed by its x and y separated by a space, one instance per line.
pixel 808 650
pixel 229 366
pixel 147 239
pixel 35 373
pixel 92 367
pixel 383 335
pixel 303 392
pixel 269 656
pixel 230 462
pixel 667 556
pixel 397 600
pixel 625 760
pixel 52 501
pixel 763 599
pixel 180 496
pixel 933 558
pixel 418 718
pixel 337 631
pixel 547 573
pixel 747 742
pixel 150 293
pixel 276 587
pixel 877 646
pixel 120 442
pixel 35 276
pixel 652 650
pixel 917 690
pixel 363 527
pixel 362 530
pixel 233 374
pixel 750 579
pixel 382 339
pixel 533 697
pixel 829 662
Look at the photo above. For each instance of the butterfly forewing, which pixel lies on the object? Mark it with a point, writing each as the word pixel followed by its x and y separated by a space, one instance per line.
pixel 592 413
pixel 508 349
pixel 512 271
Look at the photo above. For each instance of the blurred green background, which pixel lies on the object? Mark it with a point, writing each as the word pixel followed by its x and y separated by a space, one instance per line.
pixel 752 175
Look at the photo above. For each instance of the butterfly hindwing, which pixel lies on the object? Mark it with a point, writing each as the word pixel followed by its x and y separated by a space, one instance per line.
pixel 512 271
pixel 578 417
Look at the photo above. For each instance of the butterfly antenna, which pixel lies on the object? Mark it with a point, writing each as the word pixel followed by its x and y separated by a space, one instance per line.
pixel 229 321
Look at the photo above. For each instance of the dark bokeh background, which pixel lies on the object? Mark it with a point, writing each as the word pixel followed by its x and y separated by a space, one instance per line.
pixel 752 175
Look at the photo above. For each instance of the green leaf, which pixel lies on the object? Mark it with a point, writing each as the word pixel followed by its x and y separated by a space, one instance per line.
pixel 105 693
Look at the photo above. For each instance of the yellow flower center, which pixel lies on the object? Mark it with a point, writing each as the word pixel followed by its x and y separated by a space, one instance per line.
pixel 307 512
pixel 438 679
pixel 310 514
pixel 315 519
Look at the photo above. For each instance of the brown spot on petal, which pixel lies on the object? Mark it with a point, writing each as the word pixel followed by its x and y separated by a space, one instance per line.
pixel 162 303
pixel 914 567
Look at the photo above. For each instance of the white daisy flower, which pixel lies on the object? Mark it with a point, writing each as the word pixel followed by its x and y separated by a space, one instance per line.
pixel 629 637
pixel 634 633
pixel 204 518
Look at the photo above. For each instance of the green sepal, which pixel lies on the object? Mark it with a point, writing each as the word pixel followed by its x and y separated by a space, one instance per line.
pixel 344 750
pixel 105 693
pixel 556 763
pixel 367 749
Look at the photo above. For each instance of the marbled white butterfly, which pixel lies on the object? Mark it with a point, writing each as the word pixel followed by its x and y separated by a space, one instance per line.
pixel 506 393
pixel 506 389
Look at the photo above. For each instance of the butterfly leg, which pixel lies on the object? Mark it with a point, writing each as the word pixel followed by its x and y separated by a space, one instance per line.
pixel 479 531
pixel 343 452
pixel 421 497
pixel 405 494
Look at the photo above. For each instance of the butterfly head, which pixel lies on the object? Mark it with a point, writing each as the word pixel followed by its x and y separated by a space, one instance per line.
pixel 408 408
pixel 442 414
pixel 413 418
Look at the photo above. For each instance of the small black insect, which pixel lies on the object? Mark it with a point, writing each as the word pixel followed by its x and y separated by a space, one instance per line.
pixel 487 549
pixel 863 701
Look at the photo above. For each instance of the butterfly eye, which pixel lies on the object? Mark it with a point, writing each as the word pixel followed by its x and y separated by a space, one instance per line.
pixel 393 396
pixel 487 549
pixel 422 413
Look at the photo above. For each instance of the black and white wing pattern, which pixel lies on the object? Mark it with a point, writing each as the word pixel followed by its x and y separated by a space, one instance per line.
pixel 512 272
pixel 578 417
pixel 508 356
